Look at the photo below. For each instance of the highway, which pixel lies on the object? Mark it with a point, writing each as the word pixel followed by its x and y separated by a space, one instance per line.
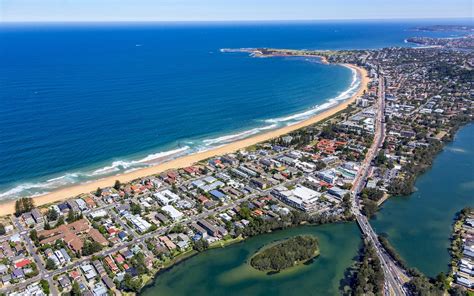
pixel 394 276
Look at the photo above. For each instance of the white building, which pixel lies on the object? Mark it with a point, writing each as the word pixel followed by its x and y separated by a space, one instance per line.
pixel 166 197
pixel 88 271
pixel 172 212
pixel 140 224
pixel 81 204
pixel 301 197
pixel 98 214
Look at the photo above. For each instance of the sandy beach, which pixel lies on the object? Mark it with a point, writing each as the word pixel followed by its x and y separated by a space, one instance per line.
pixel 68 192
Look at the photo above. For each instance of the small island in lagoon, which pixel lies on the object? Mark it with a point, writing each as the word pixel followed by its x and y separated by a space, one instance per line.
pixel 285 254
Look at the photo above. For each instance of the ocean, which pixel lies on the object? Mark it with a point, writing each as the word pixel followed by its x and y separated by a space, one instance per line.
pixel 84 101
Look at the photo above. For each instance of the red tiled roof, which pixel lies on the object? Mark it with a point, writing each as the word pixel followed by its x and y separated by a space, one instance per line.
pixel 22 263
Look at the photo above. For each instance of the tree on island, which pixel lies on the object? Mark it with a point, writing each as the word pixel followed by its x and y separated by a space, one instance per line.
pixel 286 253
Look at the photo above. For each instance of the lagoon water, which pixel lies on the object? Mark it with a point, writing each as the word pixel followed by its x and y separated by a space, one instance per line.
pixel 419 226
pixel 80 102
pixel 83 101
pixel 226 271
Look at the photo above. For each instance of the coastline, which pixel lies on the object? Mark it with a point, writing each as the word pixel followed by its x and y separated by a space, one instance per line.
pixel 64 193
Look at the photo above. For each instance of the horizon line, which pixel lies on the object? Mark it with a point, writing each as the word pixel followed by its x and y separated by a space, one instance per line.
pixel 235 20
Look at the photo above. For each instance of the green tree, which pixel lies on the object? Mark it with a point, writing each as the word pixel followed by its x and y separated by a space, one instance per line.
pixel 76 290
pixel 60 221
pixel 34 235
pixel 370 208
pixel 98 192
pixel 23 205
pixel 372 194
pixel 44 286
pixel 52 215
pixel 50 265
pixel 131 284
pixel 117 185
pixel 90 248
pixel 200 245
pixel 135 208
pixel 71 216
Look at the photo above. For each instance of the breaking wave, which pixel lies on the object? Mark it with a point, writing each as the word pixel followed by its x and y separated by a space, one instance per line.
pixel 192 146
pixel 291 119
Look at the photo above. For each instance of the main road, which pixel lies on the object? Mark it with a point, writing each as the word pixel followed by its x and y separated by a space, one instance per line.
pixel 393 274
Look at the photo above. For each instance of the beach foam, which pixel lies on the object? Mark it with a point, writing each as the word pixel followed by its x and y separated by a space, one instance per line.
pixel 291 119
pixel 237 136
pixel 192 146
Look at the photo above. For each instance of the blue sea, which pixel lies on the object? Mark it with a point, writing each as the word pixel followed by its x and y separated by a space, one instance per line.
pixel 83 101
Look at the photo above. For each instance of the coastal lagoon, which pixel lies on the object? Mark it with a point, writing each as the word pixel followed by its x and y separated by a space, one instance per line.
pixel 419 226
pixel 85 101
pixel 226 271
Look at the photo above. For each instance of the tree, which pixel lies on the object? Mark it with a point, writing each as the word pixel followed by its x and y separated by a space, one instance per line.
pixel 320 165
pixel 50 265
pixel 52 215
pixel 244 212
pixel 372 194
pixel 347 205
pixel 200 245
pixel 138 262
pixel 2 229
pixel 91 248
pixel 117 185
pixel 98 192
pixel 23 205
pixel 178 228
pixel 366 276
pixel 381 158
pixel 60 221
pixel 44 286
pixel 328 132
pixel 34 235
pixel 71 216
pixel 130 284
pixel 135 208
pixel 76 290
pixel 286 253
pixel 370 208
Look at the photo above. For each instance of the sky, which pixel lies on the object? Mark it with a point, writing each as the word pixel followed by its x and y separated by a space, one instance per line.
pixel 228 10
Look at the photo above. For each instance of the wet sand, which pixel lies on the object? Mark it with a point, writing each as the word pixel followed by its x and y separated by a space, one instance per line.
pixel 68 192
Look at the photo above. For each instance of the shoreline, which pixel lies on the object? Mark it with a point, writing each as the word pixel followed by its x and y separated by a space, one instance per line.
pixel 8 207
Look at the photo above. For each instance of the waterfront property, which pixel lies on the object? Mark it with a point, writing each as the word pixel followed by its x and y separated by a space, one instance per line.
pixel 316 174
